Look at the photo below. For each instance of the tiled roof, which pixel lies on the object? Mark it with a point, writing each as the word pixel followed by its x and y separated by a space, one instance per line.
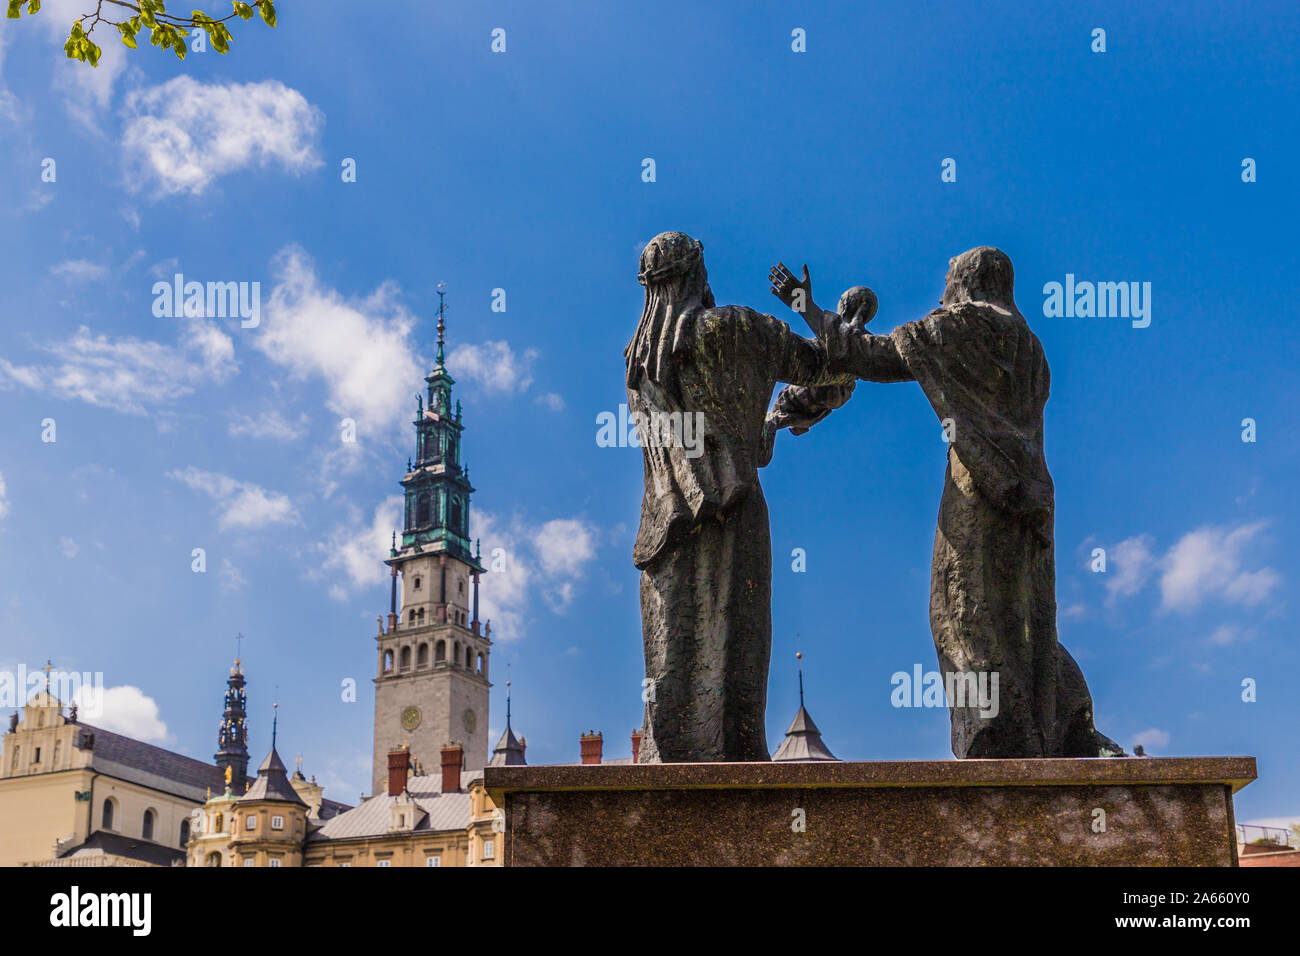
pixel 116 844
pixel 272 782
pixel 803 741
pixel 151 766
pixel 437 811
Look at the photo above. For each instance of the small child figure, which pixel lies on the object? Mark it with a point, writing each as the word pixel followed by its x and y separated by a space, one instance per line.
pixel 800 407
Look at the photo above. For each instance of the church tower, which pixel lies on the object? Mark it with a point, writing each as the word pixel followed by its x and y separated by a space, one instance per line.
pixel 432 683
pixel 232 738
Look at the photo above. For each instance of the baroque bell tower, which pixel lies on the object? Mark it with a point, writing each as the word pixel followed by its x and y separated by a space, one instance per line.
pixel 432 684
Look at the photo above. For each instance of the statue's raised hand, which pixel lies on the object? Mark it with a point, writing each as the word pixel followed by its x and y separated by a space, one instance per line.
pixel 795 293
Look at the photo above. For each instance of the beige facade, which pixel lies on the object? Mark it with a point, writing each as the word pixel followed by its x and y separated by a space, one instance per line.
pixel 60 778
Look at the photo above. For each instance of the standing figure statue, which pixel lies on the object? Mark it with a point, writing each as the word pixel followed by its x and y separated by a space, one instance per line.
pixel 993 574
pixel 699 381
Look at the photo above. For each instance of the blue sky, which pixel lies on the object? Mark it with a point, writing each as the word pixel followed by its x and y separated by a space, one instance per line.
pixel 522 171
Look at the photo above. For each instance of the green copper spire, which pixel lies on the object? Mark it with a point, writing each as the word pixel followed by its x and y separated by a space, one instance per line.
pixel 436 485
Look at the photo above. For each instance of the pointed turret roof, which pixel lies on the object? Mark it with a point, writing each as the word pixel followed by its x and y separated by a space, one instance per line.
pixel 272 782
pixel 509 751
pixel 803 741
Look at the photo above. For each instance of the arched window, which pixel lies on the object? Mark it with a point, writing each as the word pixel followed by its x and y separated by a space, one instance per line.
pixel 406 658
pixel 421 510
pixel 146 828
pixel 480 664
pixel 461 582
pixel 469 658
pixel 440 652
pixel 455 653
pixel 388 666
pixel 422 656
pixel 417 582
pixel 421 615
pixel 411 617
pixel 455 513
pixel 107 821
pixel 185 832
pixel 218 825
pixel 214 859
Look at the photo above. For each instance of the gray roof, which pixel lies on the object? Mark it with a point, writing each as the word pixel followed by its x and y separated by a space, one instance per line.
pixel 803 741
pixel 150 766
pixel 144 851
pixel 435 811
pixel 509 751
pixel 272 782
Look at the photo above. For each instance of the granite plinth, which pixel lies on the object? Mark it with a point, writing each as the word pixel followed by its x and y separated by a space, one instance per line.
pixel 1156 811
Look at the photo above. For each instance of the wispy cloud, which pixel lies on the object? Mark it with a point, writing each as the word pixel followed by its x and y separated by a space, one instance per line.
pixel 240 504
pixel 494 365
pixel 183 134
pixel 1209 563
pixel 128 374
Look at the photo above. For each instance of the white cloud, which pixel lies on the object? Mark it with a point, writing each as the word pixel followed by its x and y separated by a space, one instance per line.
pixel 268 425
pixel 68 547
pixel 123 710
pixel 88 91
pixel 232 579
pixel 1128 566
pixel 1229 634
pixel 4 498
pixel 8 102
pixel 1152 737
pixel 552 401
pixel 525 562
pixel 184 133
pixel 494 366
pixel 129 374
pixel 1208 563
pixel 504 594
pixel 359 348
pixel 242 504
pixel 358 550
pixel 79 270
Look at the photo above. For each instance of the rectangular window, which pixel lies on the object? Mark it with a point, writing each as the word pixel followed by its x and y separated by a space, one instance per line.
pixel 250 823
pixel 487 849
pixel 277 823
pixel 384 863
pixel 249 861
pixel 37 758
pixel 433 860
pixel 274 861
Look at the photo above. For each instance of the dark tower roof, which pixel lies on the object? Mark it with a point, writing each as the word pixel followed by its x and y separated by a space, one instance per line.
pixel 232 737
pixel 803 741
pixel 272 782
pixel 509 751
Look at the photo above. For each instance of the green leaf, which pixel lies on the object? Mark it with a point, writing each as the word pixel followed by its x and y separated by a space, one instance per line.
pixel 77 32
pixel 129 41
pixel 243 10
pixel 14 13
pixel 92 53
pixel 267 10
pixel 33 6
pixel 180 48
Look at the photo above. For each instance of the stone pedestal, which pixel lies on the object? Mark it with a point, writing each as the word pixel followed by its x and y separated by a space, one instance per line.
pixel 1127 811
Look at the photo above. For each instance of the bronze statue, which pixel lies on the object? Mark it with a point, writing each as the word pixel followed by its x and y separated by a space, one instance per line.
pixel 699 380
pixel 993 574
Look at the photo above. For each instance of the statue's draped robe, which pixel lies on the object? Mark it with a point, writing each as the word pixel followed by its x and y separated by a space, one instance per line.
pixel 993 576
pixel 704 545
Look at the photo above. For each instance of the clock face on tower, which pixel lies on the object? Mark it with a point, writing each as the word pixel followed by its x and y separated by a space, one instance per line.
pixel 411 718
pixel 469 719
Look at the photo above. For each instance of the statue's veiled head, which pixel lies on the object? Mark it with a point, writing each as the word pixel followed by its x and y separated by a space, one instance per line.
pixel 982 274
pixel 672 264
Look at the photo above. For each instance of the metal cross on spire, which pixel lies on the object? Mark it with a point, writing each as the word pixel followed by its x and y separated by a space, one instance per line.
pixel 798 656
pixel 238 637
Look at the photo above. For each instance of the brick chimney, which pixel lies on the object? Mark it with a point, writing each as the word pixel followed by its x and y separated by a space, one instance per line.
pixel 636 745
pixel 591 743
pixel 452 760
pixel 399 766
